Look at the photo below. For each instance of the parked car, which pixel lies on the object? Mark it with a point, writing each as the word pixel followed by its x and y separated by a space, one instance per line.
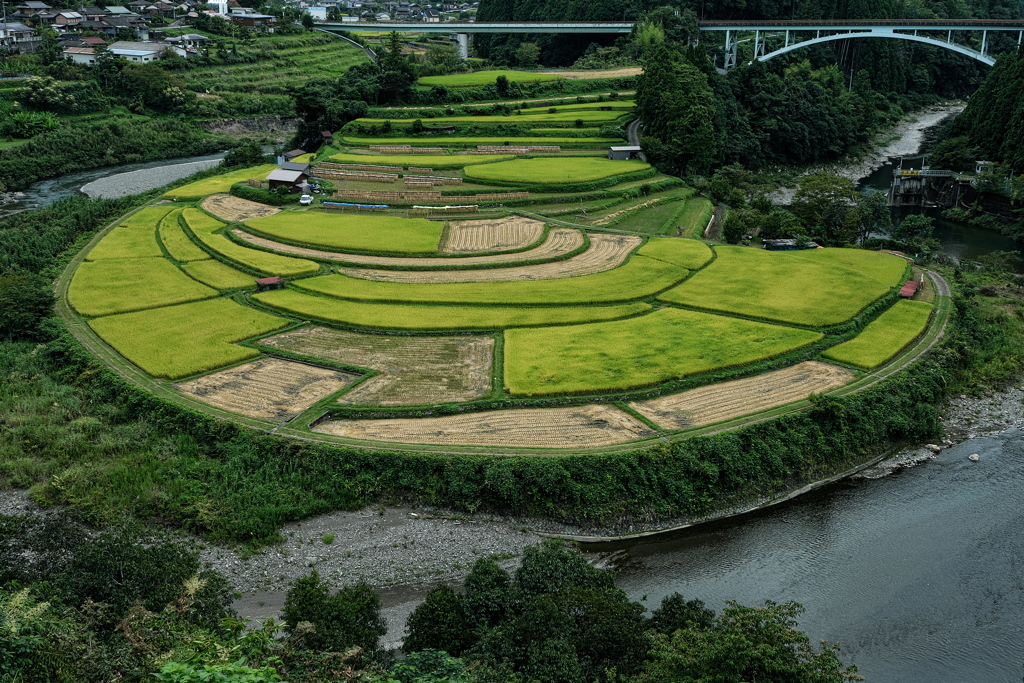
pixel 306 199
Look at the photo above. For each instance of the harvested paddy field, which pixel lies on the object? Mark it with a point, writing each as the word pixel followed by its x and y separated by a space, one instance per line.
pixel 560 241
pixel 235 209
pixel 721 402
pixel 605 253
pixel 268 389
pixel 412 370
pixel 504 234
pixel 589 426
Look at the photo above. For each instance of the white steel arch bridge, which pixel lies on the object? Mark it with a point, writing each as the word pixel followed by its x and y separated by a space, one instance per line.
pixel 968 37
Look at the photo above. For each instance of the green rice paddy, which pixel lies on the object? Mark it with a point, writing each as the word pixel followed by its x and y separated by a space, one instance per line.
pixel 177 243
pixel 203 227
pixel 555 170
pixel 421 160
pixel 372 232
pixel 476 78
pixel 815 290
pixel 178 341
pixel 217 275
pixel 220 183
pixel 638 352
pixel 118 285
pixel 414 317
pixel 477 140
pixel 884 337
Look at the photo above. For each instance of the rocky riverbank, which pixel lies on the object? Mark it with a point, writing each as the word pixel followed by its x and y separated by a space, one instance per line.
pixel 903 139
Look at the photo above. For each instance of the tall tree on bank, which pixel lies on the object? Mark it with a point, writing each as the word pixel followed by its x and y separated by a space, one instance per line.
pixel 676 105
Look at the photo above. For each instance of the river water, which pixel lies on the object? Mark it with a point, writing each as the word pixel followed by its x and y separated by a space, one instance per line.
pixel 917 574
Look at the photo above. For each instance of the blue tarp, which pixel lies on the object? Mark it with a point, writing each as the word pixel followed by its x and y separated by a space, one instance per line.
pixel 357 206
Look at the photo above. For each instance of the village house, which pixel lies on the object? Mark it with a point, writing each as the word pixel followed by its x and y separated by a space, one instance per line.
pixel 19 38
pixel 68 18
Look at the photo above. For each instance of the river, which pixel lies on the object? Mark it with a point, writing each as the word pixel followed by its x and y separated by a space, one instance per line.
pixel 108 181
pixel 917 574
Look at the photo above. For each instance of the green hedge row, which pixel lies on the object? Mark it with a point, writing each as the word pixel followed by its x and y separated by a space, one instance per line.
pixel 262 196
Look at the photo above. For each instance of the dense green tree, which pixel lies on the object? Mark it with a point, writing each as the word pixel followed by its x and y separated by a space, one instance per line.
pixel 676 612
pixel 249 153
pixel 744 644
pixel 488 593
pixel 439 623
pixel 25 299
pixel 675 103
pixel 527 54
pixel 551 567
pixel 823 202
pixel 340 621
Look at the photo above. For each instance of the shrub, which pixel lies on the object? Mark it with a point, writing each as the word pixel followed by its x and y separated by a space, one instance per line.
pixel 349 618
pixel 25 299
pixel 439 623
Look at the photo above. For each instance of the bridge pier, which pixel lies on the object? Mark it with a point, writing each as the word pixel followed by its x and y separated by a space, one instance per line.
pixel 462 41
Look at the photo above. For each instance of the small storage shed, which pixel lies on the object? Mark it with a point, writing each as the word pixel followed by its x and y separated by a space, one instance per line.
pixel 279 177
pixel 288 156
pixel 624 153
pixel 265 284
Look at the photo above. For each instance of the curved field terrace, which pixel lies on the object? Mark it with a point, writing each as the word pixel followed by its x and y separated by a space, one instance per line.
pixel 507 331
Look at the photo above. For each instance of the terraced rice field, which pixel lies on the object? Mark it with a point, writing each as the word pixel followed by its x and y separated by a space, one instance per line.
pixel 554 170
pixel 588 116
pixel 729 400
pixel 606 252
pixel 385 316
pixel 811 288
pixel 168 342
pixel 636 278
pixel 217 275
pixel 418 160
pixel 412 370
pixel 884 337
pixel 179 245
pixel 204 228
pixel 637 352
pixel 375 232
pixel 235 209
pixel 267 389
pixel 560 241
pixel 130 284
pixel 476 78
pixel 576 427
pixel 479 140
pixel 502 234
pixel 220 183
pixel 284 62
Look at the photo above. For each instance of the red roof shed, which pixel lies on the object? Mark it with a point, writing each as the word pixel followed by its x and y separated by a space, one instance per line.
pixel 909 288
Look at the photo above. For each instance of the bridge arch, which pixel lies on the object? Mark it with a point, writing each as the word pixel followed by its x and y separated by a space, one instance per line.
pixel 883 33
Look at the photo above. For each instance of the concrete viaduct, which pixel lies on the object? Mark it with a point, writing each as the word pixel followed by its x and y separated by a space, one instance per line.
pixel 968 37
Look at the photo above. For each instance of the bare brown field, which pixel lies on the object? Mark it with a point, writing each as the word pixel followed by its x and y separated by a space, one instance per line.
pixel 576 427
pixel 605 253
pixel 269 388
pixel 235 209
pixel 413 370
pixel 560 241
pixel 503 234
pixel 720 402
